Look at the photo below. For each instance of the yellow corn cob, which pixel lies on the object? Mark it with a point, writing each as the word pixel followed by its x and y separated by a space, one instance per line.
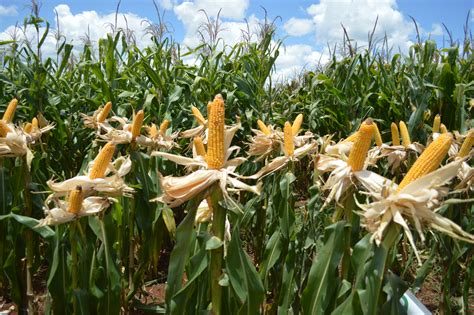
pixel 75 200
pixel 4 129
pixel 436 123
pixel 263 127
pixel 199 117
pixel 34 123
pixel 378 136
pixel 297 124
pixel 361 145
pixel 10 112
pixel 429 160
pixel 215 143
pixel 28 127
pixel 104 112
pixel 405 135
pixel 351 138
pixel 153 131
pixel 137 124
pixel 199 146
pixel 395 135
pixel 102 161
pixel 164 126
pixel 288 141
pixel 443 128
pixel 467 144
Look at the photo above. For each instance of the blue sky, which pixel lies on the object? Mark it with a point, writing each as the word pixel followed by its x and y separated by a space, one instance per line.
pixel 306 26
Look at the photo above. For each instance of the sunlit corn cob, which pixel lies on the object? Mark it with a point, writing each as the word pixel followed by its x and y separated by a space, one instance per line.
pixel 199 117
pixel 164 126
pixel 378 136
pixel 28 127
pixel 153 131
pixel 429 160
pixel 3 129
pixel 288 141
pixel 200 149
pixel 361 145
pixel 10 112
pixel 34 123
pixel 395 135
pixel 405 135
pixel 436 123
pixel 102 161
pixel 297 124
pixel 467 144
pixel 137 124
pixel 263 128
pixel 215 143
pixel 75 200
pixel 104 112
pixel 351 138
pixel 443 128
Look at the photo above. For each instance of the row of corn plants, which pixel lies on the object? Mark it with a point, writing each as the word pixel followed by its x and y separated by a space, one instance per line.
pixel 333 193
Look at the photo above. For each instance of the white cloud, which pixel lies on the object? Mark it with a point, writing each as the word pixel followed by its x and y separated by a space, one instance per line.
pixel 358 17
pixel 190 15
pixel 8 10
pixel 167 4
pixel 75 26
pixel 298 27
pixel 295 58
pixel 436 30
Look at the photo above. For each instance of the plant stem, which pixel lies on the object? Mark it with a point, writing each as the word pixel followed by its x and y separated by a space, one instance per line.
pixel 72 239
pixel 217 255
pixel 28 237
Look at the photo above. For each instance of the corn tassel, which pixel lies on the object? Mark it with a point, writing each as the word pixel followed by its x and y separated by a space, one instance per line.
pixel 297 124
pixel 467 144
pixel 10 112
pixel 429 160
pixel 405 135
pixel 443 128
pixel 4 129
pixel 164 126
pixel 436 123
pixel 288 141
pixel 361 145
pixel 199 146
pixel 351 138
pixel 75 200
pixel 153 131
pixel 215 143
pixel 395 135
pixel 28 127
pixel 104 112
pixel 263 128
pixel 378 136
pixel 137 124
pixel 34 123
pixel 102 161
pixel 199 117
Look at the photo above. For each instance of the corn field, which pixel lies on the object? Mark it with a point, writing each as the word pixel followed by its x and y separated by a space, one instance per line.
pixel 133 182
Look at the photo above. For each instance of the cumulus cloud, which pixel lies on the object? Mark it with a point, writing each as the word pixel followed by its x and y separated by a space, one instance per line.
pixel 295 58
pixel 190 14
pixel 298 27
pixel 76 27
pixel 8 10
pixel 358 17
pixel 436 29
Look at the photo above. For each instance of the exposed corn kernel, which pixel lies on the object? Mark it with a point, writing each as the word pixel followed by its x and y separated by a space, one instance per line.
pixel 199 117
pixel 361 145
pixel 104 112
pixel 288 141
pixel 263 128
pixel 297 124
pixel 436 123
pixel 4 129
pixel 351 138
pixel 75 200
pixel 137 124
pixel 10 111
pixel 467 144
pixel 215 144
pixel 28 127
pixel 152 131
pixel 164 126
pixel 405 135
pixel 199 146
pixel 34 123
pixel 395 135
pixel 378 136
pixel 429 160
pixel 102 161
pixel 443 128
